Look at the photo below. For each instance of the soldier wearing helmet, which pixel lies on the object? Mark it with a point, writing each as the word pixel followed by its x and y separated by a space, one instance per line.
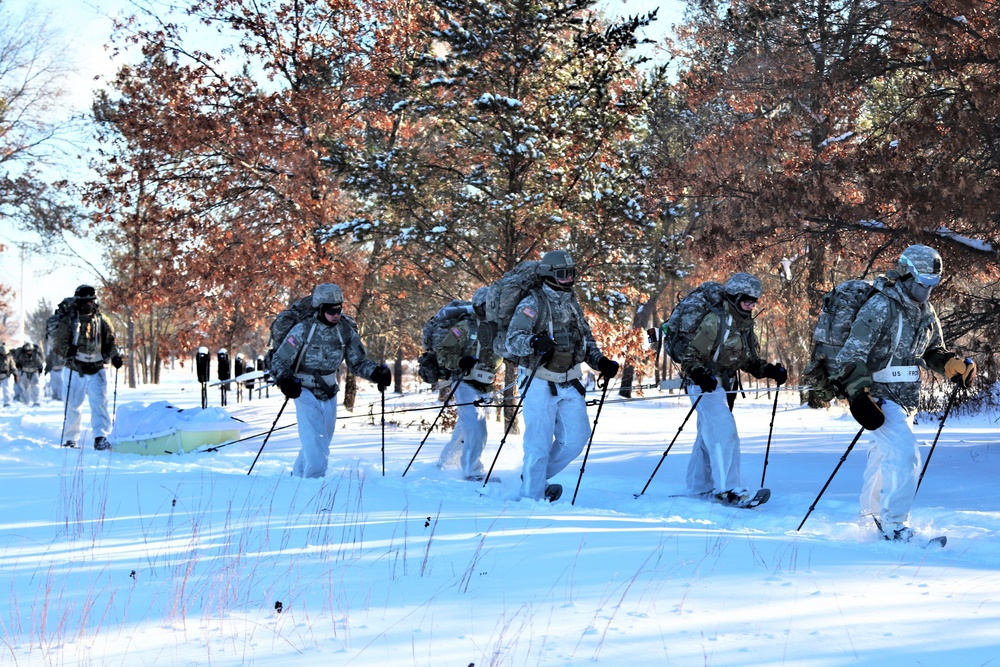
pixel 724 343
pixel 550 334
pixel 305 367
pixel 895 334
pixel 467 349
pixel 86 339
pixel 8 369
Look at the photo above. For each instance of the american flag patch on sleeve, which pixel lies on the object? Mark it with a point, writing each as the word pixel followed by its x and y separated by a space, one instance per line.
pixel 529 311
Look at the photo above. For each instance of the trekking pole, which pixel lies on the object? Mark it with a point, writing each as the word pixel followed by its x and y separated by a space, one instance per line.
pixel 770 430
pixel 513 418
pixel 282 409
pixel 69 385
pixel 586 453
pixel 951 402
pixel 690 412
pixel 382 392
pixel 823 490
pixel 114 404
pixel 454 387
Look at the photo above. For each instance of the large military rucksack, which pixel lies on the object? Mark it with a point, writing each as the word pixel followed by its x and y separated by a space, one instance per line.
pixel 504 295
pixel 434 331
pixel 686 317
pixel 833 328
pixel 297 311
pixel 65 310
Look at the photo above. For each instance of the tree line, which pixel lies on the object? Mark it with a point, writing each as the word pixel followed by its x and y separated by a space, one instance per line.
pixel 413 151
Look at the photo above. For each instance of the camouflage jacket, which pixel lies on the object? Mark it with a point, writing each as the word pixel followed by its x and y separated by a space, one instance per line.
pixel 322 349
pixel 875 327
pixel 556 314
pixel 459 342
pixel 737 346
pixel 95 342
pixel 33 363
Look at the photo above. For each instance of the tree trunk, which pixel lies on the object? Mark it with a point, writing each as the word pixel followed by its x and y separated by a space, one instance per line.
pixel 641 320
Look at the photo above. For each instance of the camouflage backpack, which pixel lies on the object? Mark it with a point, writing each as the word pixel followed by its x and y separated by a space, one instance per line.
pixel 833 328
pixel 65 310
pixel 434 331
pixel 686 317
pixel 504 295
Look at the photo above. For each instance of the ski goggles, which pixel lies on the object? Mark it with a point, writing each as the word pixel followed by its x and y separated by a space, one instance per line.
pixel 564 274
pixel 923 279
pixel 332 308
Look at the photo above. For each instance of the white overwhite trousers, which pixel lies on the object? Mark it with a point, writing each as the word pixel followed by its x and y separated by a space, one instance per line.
pixel 715 460
pixel 316 422
pixel 890 479
pixel 95 389
pixel 469 436
pixel 556 430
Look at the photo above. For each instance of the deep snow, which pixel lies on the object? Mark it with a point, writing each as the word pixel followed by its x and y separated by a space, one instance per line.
pixel 119 559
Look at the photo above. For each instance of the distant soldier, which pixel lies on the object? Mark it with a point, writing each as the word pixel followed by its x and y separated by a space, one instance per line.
pixel 28 359
pixel 895 333
pixel 8 369
pixel 54 368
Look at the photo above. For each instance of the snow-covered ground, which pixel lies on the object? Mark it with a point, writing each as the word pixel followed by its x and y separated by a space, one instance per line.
pixel 119 559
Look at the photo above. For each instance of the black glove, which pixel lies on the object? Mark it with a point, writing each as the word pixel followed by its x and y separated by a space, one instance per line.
pixel 607 367
pixel 466 364
pixel 776 372
pixel 290 386
pixel 72 350
pixel 116 361
pixel 382 376
pixel 48 369
pixel 866 411
pixel 541 343
pixel 705 380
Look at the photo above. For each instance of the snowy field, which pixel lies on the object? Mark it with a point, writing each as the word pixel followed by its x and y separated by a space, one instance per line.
pixel 120 559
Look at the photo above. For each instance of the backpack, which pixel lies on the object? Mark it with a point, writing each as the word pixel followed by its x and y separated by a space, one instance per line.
pixel 434 331
pixel 686 317
pixel 297 311
pixel 65 310
pixel 504 295
pixel 833 328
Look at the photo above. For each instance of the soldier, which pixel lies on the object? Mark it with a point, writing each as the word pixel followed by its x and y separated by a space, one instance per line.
pixel 895 333
pixel 305 368
pixel 28 359
pixel 86 339
pixel 467 350
pixel 550 333
pixel 723 344
pixel 8 369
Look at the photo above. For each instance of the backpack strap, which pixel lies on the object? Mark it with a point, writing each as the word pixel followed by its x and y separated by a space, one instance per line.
pixel 302 350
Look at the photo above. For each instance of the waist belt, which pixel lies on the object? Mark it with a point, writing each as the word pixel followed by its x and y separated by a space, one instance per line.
pixel 479 375
pixel 313 382
pixel 90 358
pixel 897 374
pixel 574 373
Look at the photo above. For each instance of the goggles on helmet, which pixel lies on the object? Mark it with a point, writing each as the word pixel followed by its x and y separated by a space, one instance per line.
pixel 923 279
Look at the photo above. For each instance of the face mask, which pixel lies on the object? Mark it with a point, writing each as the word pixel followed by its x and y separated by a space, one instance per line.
pixel 918 292
pixel 86 307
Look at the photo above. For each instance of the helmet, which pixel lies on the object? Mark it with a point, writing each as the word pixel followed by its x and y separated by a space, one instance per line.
pixel 557 270
pixel 28 347
pixel 923 263
pixel 744 285
pixel 327 293
pixel 85 293
pixel 920 269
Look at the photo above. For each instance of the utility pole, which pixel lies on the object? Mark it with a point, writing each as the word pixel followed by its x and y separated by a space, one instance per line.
pixel 20 296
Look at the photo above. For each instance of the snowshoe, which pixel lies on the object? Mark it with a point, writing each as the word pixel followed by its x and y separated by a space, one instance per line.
pixel 69 443
pixel 553 492
pixel 101 443
pixel 742 498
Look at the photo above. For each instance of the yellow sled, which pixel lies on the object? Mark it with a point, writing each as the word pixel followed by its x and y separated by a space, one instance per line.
pixel 180 441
